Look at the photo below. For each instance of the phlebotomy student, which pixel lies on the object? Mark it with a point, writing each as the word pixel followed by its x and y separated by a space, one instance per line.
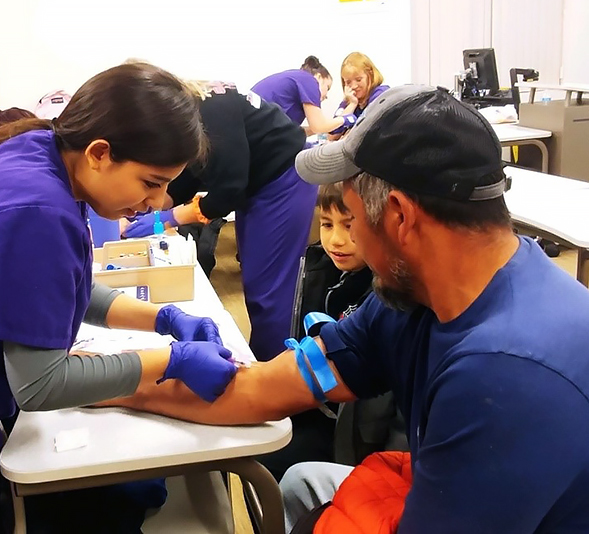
pixel 125 135
pixel 299 92
pixel 250 169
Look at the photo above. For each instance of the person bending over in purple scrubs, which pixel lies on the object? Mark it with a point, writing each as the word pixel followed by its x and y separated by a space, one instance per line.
pixel 299 92
pixel 250 169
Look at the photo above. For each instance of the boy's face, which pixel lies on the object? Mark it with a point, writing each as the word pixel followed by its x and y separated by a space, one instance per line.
pixel 336 240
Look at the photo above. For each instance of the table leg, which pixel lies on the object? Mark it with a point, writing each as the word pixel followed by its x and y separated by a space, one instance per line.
pixel 266 489
pixel 536 142
pixel 542 146
pixel 583 266
pixel 18 504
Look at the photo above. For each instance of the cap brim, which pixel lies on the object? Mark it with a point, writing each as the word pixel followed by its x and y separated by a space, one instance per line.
pixel 325 164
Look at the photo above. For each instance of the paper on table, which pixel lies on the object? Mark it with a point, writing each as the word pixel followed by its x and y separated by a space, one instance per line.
pixel 67 440
pixel 499 114
pixel 105 341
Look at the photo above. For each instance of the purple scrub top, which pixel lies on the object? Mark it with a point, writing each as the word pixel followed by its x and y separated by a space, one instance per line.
pixel 46 255
pixel 290 90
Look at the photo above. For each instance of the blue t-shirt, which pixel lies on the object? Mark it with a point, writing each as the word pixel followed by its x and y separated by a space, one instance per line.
pixel 46 255
pixel 290 90
pixel 495 401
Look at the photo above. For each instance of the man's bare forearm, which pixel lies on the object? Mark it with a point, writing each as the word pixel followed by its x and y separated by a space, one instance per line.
pixel 238 405
pixel 267 391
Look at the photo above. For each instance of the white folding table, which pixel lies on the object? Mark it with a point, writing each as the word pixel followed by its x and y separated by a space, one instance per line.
pixel 127 445
pixel 553 207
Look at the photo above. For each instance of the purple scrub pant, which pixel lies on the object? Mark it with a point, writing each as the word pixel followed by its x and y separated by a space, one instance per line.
pixel 272 233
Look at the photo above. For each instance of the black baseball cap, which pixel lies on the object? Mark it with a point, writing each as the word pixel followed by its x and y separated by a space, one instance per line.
pixel 418 138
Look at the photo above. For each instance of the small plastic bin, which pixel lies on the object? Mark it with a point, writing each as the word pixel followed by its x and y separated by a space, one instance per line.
pixel 167 283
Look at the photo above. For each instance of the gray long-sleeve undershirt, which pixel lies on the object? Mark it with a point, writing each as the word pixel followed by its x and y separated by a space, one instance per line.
pixel 100 301
pixel 43 379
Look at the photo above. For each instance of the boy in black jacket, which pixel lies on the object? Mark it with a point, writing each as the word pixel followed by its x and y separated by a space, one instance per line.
pixel 334 279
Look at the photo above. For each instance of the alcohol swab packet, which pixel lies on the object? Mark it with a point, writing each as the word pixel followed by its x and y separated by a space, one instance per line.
pixel 67 440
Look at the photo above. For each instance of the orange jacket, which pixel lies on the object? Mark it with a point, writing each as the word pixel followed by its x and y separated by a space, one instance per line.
pixel 371 499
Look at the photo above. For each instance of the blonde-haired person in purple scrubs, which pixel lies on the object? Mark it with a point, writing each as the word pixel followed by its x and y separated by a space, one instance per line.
pixel 362 83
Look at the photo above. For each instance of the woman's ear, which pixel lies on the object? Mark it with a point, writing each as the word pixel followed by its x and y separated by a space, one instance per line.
pixel 98 154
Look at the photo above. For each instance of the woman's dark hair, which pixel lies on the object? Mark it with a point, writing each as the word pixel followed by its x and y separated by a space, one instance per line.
pixel 15 114
pixel 146 114
pixel 314 66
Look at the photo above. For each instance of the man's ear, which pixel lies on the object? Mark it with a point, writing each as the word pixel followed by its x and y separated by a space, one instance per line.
pixel 98 154
pixel 400 215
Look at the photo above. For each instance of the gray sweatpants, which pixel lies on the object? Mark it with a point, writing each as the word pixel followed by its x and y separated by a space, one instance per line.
pixel 308 485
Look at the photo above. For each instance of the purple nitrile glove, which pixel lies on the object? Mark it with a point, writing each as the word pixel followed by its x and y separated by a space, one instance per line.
pixel 349 121
pixel 204 367
pixel 144 225
pixel 185 327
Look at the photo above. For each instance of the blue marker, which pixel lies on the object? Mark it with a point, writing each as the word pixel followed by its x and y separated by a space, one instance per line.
pixel 111 267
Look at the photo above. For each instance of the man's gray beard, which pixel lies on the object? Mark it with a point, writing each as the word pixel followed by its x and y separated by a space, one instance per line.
pixel 400 298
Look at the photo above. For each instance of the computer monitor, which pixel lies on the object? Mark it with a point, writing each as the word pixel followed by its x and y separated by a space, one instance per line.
pixel 484 69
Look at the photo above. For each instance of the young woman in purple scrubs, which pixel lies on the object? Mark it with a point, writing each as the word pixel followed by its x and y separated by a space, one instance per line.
pixel 125 135
pixel 299 92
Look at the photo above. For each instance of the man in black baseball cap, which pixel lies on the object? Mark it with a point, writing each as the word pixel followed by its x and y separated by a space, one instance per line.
pixel 437 157
pixel 462 329
pixel 482 339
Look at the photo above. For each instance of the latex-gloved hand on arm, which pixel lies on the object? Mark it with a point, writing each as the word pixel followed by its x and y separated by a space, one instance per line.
pixel 206 368
pixel 185 327
pixel 143 225
pixel 349 121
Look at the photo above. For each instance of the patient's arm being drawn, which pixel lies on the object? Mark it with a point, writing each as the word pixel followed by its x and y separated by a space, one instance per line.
pixel 266 391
